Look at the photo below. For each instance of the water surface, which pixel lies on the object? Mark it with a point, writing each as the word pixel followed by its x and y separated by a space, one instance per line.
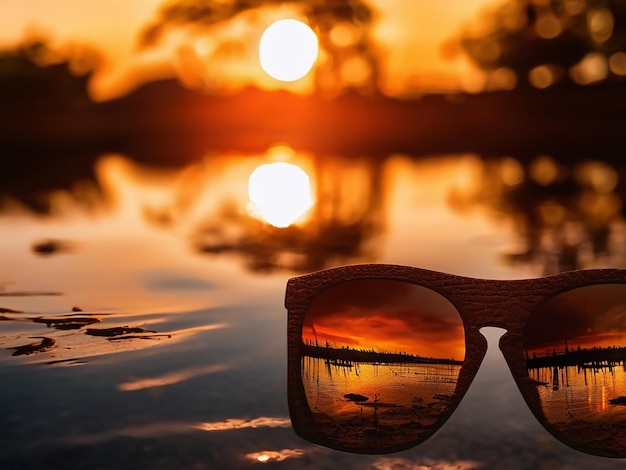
pixel 186 288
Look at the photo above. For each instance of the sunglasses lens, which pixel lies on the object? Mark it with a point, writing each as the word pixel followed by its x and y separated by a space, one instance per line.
pixel 380 363
pixel 576 356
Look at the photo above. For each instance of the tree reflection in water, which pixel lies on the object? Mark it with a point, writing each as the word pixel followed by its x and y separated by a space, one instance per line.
pixel 566 215
pixel 341 228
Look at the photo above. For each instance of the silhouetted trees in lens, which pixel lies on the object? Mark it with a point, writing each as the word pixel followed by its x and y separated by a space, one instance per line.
pixel 543 42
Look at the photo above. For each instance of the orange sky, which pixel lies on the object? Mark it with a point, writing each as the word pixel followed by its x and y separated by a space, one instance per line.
pixel 410 30
pixel 588 317
pixel 388 316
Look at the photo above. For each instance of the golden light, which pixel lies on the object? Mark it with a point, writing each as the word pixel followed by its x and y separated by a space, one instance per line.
pixel 288 50
pixel 280 193
pixel 275 456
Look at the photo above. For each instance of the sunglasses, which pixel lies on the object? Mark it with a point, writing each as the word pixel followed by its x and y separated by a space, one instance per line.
pixel 381 355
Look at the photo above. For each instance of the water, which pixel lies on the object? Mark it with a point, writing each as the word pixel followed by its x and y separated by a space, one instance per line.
pixel 176 254
pixel 371 405
pixel 580 393
pixel 401 385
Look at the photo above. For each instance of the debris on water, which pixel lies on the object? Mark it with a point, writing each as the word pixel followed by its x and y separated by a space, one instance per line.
pixel 9 310
pixel 77 309
pixel 115 331
pixel 67 322
pixel 618 401
pixel 51 246
pixel 355 397
pixel 46 344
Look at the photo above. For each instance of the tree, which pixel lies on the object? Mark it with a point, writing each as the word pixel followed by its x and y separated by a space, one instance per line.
pixel 349 58
pixel 543 42
pixel 36 76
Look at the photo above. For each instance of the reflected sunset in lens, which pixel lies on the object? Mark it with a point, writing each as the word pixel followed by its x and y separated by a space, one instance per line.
pixel 576 355
pixel 585 318
pixel 386 316
pixel 381 361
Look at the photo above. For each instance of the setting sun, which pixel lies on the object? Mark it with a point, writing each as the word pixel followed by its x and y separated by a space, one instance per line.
pixel 280 193
pixel 288 50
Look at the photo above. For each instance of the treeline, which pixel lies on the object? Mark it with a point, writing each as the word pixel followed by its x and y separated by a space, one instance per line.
pixel 594 357
pixel 371 356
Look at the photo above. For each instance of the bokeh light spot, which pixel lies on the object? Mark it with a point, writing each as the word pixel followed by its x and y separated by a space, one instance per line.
pixel 504 78
pixel 598 175
pixel 548 26
pixel 544 170
pixel 574 7
pixel 600 23
pixel 542 76
pixel 355 71
pixel 617 63
pixel 592 68
pixel 343 35
pixel 511 171
pixel 551 212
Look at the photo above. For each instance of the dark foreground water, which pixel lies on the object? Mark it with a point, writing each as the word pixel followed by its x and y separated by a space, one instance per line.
pixel 143 326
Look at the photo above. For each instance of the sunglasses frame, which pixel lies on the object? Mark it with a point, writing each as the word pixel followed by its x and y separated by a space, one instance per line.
pixel 480 303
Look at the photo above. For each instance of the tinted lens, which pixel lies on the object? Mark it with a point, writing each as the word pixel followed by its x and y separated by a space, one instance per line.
pixel 576 355
pixel 380 364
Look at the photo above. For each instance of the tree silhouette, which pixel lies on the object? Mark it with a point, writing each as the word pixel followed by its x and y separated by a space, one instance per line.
pixel 544 42
pixel 35 76
pixel 343 28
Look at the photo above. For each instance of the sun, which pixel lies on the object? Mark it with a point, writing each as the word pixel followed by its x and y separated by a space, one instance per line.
pixel 288 50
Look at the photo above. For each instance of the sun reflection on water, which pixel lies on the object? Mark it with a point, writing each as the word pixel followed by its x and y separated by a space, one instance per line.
pixel 171 258
pixel 145 239
pixel 280 193
pixel 237 423
pixel 267 456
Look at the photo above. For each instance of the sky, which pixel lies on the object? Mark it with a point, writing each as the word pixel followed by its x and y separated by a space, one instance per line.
pixel 586 317
pixel 388 316
pixel 411 32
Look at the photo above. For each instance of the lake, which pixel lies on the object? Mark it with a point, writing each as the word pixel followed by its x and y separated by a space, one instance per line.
pixel 142 320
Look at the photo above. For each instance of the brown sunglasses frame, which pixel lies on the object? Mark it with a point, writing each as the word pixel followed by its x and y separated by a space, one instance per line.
pixel 481 303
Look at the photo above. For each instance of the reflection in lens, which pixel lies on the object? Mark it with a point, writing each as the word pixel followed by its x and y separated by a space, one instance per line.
pixel 576 354
pixel 380 362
